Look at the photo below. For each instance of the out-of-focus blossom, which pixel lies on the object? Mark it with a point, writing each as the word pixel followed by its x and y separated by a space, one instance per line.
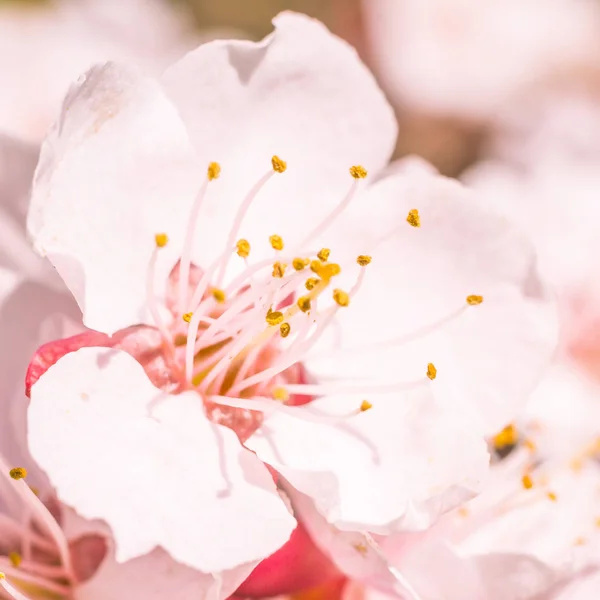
pixel 413 312
pixel 46 45
pixel 469 58
pixel 535 531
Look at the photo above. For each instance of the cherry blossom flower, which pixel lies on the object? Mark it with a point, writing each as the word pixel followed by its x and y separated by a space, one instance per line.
pixel 266 325
pixel 534 532
pixel 470 58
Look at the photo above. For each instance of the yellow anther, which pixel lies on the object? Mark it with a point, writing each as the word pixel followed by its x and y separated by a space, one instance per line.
pixel 530 445
pixel 187 317
pixel 413 218
pixel 315 266
pixel 363 260
pixel 218 295
pixel 509 436
pixel 281 394
pixel 474 300
pixel 2 575
pixel 358 172
pixel 276 242
pixel 15 558
pixel 300 263
pixel 284 329
pixel 274 317
pixel 551 496
pixel 431 371
pixel 279 269
pixel 213 171
pixel 341 297
pixel 304 303
pixel 161 239
pixel 329 270
pixel 310 283
pixel 279 166
pixel 527 481
pixel 365 405
pixel 243 248
pixel 323 254
pixel 18 473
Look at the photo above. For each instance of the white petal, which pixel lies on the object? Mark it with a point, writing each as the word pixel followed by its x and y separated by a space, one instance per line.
pixel 151 465
pixel 398 465
pixel 301 94
pixel 115 170
pixel 489 356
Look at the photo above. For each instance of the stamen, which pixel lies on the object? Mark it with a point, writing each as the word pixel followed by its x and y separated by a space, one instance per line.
pixel 363 260
pixel 15 558
pixel 213 171
pixel 431 371
pixel 276 242
pixel 279 269
pixel 281 394
pixel 311 282
pixel 274 317
pixel 187 317
pixel 330 270
pixel 243 248
pixel 10 590
pixel 218 295
pixel 323 254
pixel 365 405
pixel 284 329
pixel 341 297
pixel 279 166
pixel 18 473
pixel 151 302
pixel 300 263
pixel 527 481
pixel 509 436
pixel 552 496
pixel 474 300
pixel 413 218
pixel 304 303
pixel 357 173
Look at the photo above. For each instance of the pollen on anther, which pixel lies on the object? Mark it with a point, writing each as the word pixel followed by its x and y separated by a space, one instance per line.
pixel 304 303
pixel 474 300
pixel 276 242
pixel 551 496
pixel 365 405
pixel 279 269
pixel 281 394
pixel 218 295
pixel 274 317
pixel 300 263
pixel 15 558
pixel 527 481
pixel 161 239
pixel 509 436
pixel 363 260
pixel 358 172
pixel 310 283
pixel 341 297
pixel 330 270
pixel 187 317
pixel 243 248
pixel 414 218
pixel 284 329
pixel 2 575
pixel 18 473
pixel 323 254
pixel 213 171
pixel 279 166
pixel 431 371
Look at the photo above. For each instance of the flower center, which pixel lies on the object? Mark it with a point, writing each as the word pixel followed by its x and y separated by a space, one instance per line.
pixel 246 339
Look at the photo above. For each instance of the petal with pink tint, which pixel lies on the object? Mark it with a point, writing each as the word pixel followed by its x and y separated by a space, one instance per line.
pixel 488 356
pixel 151 465
pixel 302 94
pixel 397 466
pixel 116 169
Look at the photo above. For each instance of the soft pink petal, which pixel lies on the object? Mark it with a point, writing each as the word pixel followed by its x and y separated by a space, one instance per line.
pixel 151 465
pixel 397 466
pixel 489 356
pixel 302 94
pixel 115 170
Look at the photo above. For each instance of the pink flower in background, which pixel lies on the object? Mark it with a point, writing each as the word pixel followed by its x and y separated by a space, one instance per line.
pixel 469 58
pixel 44 46
pixel 269 332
